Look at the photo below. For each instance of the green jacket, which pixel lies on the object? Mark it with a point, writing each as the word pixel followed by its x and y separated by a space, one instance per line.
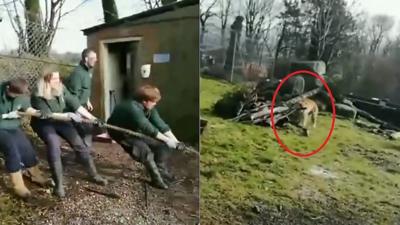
pixel 8 104
pixel 132 115
pixel 65 103
pixel 79 83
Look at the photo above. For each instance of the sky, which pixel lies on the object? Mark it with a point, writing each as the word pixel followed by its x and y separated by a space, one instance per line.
pixel 388 7
pixel 372 7
pixel 69 37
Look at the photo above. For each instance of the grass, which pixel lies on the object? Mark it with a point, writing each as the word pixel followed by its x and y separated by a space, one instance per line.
pixel 243 165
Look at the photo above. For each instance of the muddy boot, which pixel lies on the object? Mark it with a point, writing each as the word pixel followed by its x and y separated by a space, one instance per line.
pixel 165 173
pixel 88 164
pixel 36 176
pixel 57 174
pixel 19 185
pixel 160 158
pixel 155 175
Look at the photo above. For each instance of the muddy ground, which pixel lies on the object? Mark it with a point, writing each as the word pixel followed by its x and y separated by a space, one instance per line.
pixel 123 201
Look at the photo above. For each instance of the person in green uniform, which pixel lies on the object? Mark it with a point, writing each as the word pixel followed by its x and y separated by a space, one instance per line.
pixel 53 99
pixel 14 144
pixel 79 84
pixel 139 114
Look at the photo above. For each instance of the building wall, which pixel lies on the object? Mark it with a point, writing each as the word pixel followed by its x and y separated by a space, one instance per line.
pixel 176 33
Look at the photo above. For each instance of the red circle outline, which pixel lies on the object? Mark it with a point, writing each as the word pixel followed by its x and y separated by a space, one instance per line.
pixel 298 154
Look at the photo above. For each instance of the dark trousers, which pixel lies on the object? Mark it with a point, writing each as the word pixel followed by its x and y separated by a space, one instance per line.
pixel 142 150
pixel 85 131
pixel 17 149
pixel 50 131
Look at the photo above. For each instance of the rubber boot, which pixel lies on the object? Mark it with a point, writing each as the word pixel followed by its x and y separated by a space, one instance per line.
pixel 57 174
pixel 165 173
pixel 160 158
pixel 36 176
pixel 19 185
pixel 155 175
pixel 88 163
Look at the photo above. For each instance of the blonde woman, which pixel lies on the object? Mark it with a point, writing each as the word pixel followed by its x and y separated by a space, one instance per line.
pixel 52 98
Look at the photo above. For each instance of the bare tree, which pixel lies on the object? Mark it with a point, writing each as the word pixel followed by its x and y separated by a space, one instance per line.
pixel 279 45
pixel 225 11
pixel 36 27
pixel 322 26
pixel 361 34
pixel 289 29
pixel 379 27
pixel 205 14
pixel 256 14
pixel 332 29
pixel 387 46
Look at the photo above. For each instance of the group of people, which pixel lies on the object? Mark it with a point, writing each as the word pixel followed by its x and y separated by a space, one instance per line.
pixel 70 101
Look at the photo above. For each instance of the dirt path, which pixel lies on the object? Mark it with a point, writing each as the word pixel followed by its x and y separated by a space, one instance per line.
pixel 126 201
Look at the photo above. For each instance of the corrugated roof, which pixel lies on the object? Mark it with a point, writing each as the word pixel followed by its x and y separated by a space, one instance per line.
pixel 148 13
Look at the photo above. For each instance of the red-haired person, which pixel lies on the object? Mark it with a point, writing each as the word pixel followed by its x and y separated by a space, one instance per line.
pixel 139 114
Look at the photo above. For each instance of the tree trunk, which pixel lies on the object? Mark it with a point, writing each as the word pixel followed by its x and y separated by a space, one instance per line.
pixel 33 28
pixel 110 11
pixel 279 48
pixel 223 44
pixel 202 33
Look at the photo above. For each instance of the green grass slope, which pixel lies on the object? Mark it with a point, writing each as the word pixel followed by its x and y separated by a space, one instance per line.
pixel 356 175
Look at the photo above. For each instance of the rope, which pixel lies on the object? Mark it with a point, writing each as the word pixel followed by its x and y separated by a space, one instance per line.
pixel 182 146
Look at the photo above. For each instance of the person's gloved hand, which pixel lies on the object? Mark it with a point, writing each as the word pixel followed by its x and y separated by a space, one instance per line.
pixel 75 117
pixel 171 143
pixel 11 115
pixel 45 115
pixel 181 146
pixel 99 123
pixel 169 134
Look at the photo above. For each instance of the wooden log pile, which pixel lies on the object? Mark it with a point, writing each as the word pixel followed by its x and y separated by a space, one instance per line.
pixel 256 107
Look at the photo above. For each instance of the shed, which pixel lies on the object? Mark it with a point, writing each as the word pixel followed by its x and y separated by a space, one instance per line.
pixel 167 38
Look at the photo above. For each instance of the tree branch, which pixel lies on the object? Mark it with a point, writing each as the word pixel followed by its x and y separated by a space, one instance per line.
pixel 75 8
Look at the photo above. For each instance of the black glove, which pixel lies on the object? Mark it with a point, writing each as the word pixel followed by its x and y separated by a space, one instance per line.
pixel 99 123
pixel 44 115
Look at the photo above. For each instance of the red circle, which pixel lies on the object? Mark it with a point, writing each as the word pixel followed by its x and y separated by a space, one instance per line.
pixel 298 154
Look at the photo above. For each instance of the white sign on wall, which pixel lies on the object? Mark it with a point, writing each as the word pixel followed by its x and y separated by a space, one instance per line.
pixel 161 58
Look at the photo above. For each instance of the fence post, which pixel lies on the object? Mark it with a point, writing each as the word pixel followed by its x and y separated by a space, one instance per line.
pixel 233 56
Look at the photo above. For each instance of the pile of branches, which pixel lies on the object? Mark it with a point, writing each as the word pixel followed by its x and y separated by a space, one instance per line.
pixel 254 105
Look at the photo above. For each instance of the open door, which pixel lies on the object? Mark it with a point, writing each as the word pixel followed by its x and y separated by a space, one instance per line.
pixel 119 73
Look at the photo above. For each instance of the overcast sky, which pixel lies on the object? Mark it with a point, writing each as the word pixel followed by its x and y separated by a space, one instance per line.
pixel 371 7
pixel 70 38
pixel 388 7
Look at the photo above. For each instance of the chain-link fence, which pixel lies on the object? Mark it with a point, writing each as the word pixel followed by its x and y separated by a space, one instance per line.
pixel 31 56
pixel 12 66
pixel 250 59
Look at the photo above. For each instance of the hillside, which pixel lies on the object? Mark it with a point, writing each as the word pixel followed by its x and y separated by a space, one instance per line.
pixel 246 178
